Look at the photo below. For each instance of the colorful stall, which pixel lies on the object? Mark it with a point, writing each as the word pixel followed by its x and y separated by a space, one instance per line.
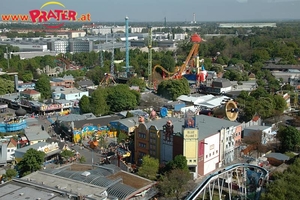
pixel 89 131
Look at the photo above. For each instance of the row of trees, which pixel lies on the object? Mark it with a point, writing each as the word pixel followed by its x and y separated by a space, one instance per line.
pixel 285 185
pixel 173 179
pixel 110 99
pixel 260 102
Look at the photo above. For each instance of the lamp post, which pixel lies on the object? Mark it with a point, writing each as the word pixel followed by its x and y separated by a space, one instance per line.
pixel 7 57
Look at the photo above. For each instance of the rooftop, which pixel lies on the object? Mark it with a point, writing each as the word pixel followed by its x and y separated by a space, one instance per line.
pixel 30 92
pixel 65 184
pixel 34 146
pixel 119 183
pixel 68 90
pixel 277 156
pixel 159 123
pixel 257 128
pixel 34 133
pixel 209 126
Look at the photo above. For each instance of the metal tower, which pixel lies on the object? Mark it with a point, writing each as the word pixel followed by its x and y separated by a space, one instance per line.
pixel 149 52
pixel 101 58
pixel 127 45
pixel 112 66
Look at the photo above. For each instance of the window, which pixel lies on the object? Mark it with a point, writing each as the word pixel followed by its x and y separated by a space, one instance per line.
pixel 142 145
pixel 206 156
pixel 217 151
pixel 142 135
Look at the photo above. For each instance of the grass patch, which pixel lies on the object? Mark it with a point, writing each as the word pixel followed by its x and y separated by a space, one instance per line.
pixel 290 154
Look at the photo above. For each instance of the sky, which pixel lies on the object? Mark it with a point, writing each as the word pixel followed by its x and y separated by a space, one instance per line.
pixel 173 10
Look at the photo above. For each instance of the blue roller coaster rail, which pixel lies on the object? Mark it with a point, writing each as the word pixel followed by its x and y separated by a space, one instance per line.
pixel 13 126
pixel 248 186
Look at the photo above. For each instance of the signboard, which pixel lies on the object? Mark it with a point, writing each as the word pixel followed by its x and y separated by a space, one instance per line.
pixel 190 120
pixel 49 107
pixel 27 85
pixel 49 148
pixel 190 134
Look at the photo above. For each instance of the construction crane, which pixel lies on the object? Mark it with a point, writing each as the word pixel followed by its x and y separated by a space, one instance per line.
pixel 191 62
pixel 150 53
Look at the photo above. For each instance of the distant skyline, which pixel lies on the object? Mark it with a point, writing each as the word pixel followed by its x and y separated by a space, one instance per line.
pixel 173 10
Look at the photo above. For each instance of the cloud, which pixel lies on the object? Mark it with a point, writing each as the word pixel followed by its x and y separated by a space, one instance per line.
pixel 242 1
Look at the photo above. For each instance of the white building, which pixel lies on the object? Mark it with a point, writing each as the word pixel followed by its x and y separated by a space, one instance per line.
pixel 75 46
pixel 11 148
pixel 267 135
pixel 227 145
pixel 68 94
pixel 136 29
pixel 211 153
pixel 180 36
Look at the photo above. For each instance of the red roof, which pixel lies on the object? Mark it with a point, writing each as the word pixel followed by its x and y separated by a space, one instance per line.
pixel 255 118
pixel 13 142
pixel 30 92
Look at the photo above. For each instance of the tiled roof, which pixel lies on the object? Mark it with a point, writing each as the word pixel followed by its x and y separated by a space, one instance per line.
pixel 30 92
pixel 12 143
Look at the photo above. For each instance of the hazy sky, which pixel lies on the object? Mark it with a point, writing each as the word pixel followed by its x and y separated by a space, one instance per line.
pixel 173 10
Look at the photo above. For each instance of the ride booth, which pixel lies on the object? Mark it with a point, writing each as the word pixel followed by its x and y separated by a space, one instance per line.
pixel 89 131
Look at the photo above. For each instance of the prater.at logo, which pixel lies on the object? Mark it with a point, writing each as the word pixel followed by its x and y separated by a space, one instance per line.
pixel 59 15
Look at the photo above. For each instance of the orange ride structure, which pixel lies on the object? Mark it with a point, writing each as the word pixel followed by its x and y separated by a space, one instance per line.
pixel 191 65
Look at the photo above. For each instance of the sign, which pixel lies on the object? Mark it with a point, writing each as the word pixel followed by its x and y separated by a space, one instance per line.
pixel 49 107
pixel 61 14
pixel 27 85
pixel 190 134
pixel 190 119
pixel 49 147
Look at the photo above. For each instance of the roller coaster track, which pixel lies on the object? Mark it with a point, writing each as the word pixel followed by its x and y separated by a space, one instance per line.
pixel 65 61
pixel 248 185
pixel 179 71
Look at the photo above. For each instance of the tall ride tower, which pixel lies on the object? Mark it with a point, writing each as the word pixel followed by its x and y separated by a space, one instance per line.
pixel 112 64
pixel 127 44
pixel 149 53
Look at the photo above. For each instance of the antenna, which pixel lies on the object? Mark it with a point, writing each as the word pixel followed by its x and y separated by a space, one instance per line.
pixel 127 44
pixel 112 66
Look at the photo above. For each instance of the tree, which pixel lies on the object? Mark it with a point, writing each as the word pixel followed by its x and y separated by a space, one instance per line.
pixel 285 185
pixel 175 183
pixel 43 86
pixel 66 154
pixel 179 162
pixel 6 86
pixel 289 137
pixel 10 173
pixel 31 161
pixel 173 88
pixel 135 81
pixel 82 159
pixel 84 104
pixel 98 103
pixel 168 62
pixel 255 140
pixel 149 168
pixel 120 98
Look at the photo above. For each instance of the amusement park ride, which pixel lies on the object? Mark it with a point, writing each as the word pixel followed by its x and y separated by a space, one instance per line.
pixel 191 66
pixel 107 79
